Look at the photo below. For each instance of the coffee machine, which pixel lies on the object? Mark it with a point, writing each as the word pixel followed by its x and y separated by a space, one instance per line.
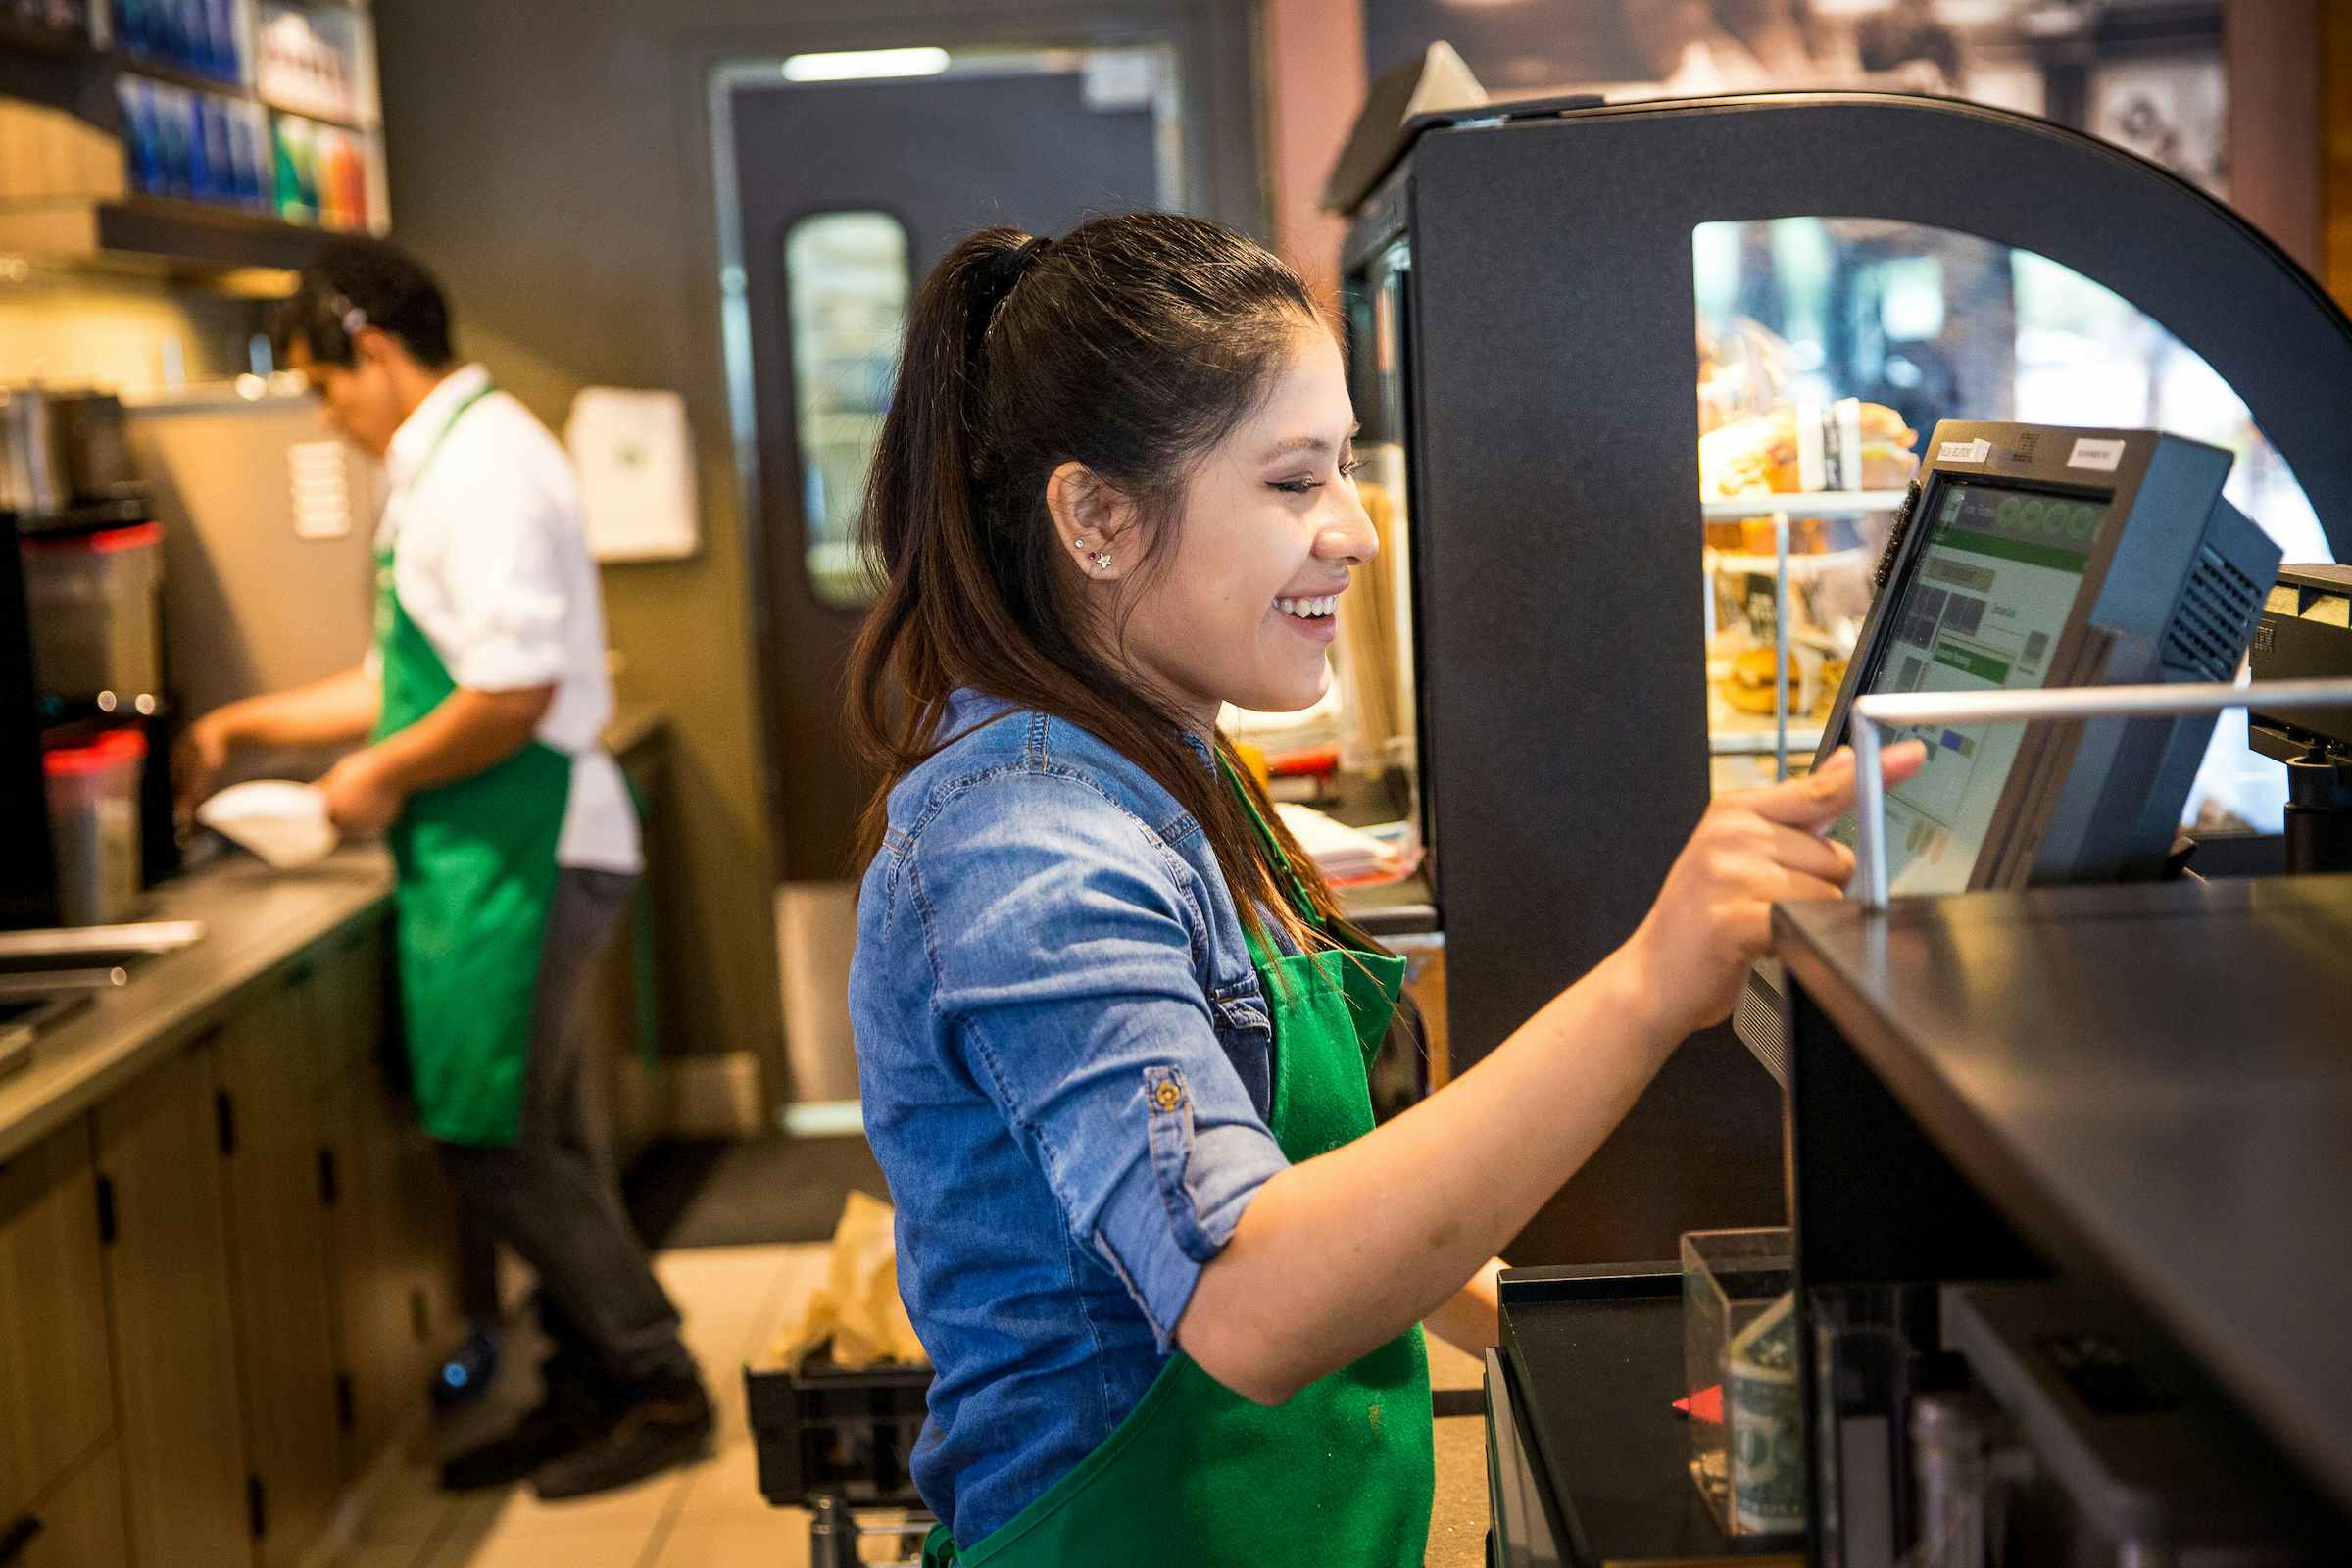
pixel 82 669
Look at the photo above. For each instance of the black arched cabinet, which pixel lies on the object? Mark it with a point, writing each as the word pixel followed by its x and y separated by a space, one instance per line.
pixel 1526 291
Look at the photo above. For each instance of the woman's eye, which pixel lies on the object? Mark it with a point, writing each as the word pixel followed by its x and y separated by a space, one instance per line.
pixel 1348 469
pixel 1296 487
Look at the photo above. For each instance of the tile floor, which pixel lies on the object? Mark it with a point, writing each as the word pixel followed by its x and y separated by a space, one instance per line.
pixel 733 1299
pixel 711 1516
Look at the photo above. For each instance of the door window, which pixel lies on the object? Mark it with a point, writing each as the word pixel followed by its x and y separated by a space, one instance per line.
pixel 846 283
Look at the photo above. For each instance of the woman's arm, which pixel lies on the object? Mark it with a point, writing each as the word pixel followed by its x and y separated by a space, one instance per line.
pixel 1337 1256
pixel 1469 1320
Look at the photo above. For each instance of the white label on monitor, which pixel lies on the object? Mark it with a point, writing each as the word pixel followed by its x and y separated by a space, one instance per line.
pixel 2101 454
pixel 1964 452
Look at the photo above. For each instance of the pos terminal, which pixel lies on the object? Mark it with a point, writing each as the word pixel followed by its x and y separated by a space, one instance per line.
pixel 2036 556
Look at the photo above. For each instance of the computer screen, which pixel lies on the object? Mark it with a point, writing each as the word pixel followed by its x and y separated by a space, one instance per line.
pixel 1982 609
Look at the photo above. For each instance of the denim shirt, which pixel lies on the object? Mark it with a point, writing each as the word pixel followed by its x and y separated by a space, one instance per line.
pixel 1066 1064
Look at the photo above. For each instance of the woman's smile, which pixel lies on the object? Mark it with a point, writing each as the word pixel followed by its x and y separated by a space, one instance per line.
pixel 1314 617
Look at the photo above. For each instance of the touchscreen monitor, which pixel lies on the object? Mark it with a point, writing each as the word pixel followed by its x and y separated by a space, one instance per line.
pixel 1982 610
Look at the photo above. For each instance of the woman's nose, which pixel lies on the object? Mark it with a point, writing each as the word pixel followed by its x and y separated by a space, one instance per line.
pixel 1349 536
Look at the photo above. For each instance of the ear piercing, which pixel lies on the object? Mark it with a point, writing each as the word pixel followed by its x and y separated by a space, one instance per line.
pixel 1101 557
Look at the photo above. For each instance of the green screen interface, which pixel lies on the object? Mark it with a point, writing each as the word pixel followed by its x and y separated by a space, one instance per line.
pixel 1981 611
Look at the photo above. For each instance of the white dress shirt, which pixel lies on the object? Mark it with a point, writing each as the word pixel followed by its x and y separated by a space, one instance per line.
pixel 491 563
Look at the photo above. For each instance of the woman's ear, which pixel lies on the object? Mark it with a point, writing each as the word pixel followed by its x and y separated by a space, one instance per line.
pixel 1092 520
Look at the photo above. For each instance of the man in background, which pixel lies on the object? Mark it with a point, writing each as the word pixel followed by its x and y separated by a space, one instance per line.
pixel 515 841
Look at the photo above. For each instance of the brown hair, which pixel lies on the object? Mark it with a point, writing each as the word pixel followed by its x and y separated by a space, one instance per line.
pixel 1132 345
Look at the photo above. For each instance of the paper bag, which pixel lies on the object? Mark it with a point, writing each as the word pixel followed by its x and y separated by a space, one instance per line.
pixel 857 1311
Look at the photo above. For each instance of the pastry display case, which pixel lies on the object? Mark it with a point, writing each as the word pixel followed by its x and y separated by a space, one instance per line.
pixel 1642 386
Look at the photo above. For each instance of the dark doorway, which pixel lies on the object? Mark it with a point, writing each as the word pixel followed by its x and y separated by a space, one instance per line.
pixel 838 196
pixel 847 193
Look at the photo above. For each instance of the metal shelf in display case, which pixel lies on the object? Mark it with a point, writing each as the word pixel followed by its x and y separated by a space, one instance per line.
pixel 1784 732
pixel 1800 504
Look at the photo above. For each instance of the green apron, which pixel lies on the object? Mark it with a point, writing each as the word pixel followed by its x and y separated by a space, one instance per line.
pixel 478 870
pixel 1338 1477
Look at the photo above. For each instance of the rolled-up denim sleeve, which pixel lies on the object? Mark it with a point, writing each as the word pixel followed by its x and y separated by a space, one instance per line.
pixel 1063 978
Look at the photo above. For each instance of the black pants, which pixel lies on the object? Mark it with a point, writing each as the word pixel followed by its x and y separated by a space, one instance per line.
pixel 551 1196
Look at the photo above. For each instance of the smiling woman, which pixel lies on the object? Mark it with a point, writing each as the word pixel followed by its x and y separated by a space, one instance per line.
pixel 1069 514
pixel 1111 1028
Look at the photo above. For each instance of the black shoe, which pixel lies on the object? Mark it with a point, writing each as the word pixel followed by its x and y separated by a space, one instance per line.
pixel 568 1415
pixel 668 1425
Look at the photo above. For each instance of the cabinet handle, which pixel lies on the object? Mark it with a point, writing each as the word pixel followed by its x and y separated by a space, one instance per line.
pixel 19 1535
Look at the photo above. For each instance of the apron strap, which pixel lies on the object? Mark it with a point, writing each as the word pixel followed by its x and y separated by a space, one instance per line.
pixel 455 413
pixel 1286 874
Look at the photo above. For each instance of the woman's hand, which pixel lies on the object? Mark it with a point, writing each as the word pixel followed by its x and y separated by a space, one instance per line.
pixel 1752 850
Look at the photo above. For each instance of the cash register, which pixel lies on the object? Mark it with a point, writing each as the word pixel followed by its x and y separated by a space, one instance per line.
pixel 2030 555
pixel 2024 556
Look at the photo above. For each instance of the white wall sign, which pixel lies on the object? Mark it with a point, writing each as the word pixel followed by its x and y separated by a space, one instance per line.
pixel 635 456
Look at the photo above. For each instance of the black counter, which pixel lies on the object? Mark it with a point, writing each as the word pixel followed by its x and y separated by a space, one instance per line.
pixel 2151 1084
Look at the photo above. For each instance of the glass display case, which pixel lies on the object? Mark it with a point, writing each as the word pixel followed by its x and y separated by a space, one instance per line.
pixel 1566 318
pixel 1830 338
pixel 1373 664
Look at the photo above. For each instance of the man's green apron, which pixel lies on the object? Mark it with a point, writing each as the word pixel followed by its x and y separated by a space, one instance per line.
pixel 478 870
pixel 1341 1475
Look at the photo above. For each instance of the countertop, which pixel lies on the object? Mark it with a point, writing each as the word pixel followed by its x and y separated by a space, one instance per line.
pixel 2151 1083
pixel 258 923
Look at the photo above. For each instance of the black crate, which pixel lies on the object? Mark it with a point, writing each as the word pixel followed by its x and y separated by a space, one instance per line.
pixel 834 1429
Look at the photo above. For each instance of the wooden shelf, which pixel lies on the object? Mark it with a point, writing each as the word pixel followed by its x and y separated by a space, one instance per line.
pixel 350 122
pixel 160 232
pixel 23 37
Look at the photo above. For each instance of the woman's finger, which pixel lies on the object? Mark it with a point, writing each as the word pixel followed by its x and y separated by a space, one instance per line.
pixel 1813 801
pixel 1809 855
pixel 1798 886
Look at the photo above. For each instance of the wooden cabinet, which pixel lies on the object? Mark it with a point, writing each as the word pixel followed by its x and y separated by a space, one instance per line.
pixel 393 1260
pixel 274 1160
pixel 349 990
pixel 221 1293
pixel 391 1236
pixel 175 1339
pixel 82 1520
pixel 57 1395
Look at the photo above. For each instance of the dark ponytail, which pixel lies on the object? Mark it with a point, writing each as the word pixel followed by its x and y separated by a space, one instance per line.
pixel 1131 344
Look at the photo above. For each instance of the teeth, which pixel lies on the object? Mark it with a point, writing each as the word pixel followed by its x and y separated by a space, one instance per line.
pixel 1308 608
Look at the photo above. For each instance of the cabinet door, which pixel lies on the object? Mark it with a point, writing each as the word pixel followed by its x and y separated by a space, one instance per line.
pixel 382 1353
pixel 393 1260
pixel 350 996
pixel 57 1394
pixel 82 1523
pixel 409 1196
pixel 279 1268
pixel 174 1340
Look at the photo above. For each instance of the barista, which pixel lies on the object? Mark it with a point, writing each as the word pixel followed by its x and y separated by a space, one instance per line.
pixel 514 834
